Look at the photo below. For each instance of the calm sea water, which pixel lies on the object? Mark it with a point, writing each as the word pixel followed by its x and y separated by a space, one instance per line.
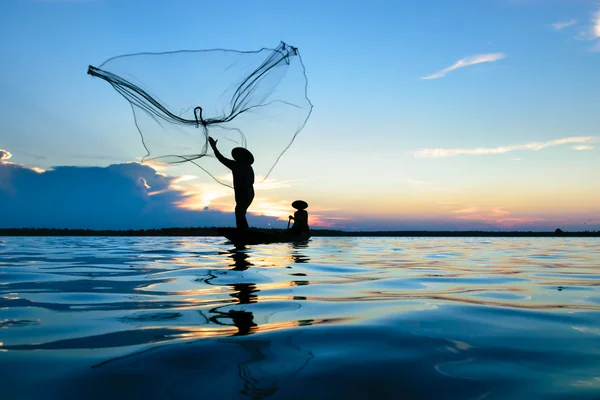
pixel 190 318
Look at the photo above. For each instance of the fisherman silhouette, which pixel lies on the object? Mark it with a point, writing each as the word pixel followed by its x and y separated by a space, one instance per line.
pixel 243 179
pixel 300 218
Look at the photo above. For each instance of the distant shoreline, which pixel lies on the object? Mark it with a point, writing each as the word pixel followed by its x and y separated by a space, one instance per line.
pixel 213 231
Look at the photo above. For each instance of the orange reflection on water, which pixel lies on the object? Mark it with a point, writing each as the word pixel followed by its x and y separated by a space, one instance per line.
pixel 199 333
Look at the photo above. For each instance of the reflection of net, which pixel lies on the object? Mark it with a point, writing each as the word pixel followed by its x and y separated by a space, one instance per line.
pixel 269 364
pixel 253 99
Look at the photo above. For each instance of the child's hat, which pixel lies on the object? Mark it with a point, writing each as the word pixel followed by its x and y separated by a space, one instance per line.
pixel 300 204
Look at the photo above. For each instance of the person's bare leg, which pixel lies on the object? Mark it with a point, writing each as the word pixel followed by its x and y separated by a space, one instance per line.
pixel 240 216
pixel 242 202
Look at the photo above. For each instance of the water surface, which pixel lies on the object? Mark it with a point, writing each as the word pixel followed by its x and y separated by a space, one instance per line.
pixel 183 318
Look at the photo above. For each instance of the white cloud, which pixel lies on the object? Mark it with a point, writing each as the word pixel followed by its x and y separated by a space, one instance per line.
pixel 559 26
pixel 466 62
pixel 98 189
pixel 583 147
pixel 592 31
pixel 438 152
pixel 4 155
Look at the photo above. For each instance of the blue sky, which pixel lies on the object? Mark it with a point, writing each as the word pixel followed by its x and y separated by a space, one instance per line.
pixel 515 117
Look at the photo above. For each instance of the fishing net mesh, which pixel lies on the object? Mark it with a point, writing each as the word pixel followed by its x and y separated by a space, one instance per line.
pixel 252 99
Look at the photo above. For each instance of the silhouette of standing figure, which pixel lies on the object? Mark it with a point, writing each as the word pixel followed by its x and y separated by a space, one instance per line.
pixel 300 218
pixel 243 179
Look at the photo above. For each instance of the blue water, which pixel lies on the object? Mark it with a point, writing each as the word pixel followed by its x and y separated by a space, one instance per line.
pixel 347 318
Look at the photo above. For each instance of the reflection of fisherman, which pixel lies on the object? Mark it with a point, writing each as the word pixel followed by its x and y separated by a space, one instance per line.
pixel 243 320
pixel 267 361
pixel 240 262
pixel 244 293
pixel 300 218
pixel 298 256
pixel 243 179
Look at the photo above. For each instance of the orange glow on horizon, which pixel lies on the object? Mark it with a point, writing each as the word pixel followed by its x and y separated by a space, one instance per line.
pixel 493 205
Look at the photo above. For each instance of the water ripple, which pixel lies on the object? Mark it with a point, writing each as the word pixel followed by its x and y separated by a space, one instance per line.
pixel 420 316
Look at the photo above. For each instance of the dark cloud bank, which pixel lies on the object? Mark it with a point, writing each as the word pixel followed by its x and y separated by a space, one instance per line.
pixel 118 197
pixel 113 197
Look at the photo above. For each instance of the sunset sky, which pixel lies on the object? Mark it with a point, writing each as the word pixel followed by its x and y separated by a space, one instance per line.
pixel 429 114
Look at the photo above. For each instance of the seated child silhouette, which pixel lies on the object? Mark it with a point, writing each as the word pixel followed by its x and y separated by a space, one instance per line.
pixel 300 218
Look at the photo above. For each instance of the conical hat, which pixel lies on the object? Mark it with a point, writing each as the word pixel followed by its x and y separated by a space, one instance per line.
pixel 300 204
pixel 242 155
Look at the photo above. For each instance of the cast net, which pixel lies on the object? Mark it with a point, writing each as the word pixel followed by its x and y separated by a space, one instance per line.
pixel 252 99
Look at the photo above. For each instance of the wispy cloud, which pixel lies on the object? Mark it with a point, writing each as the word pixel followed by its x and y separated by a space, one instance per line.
pixel 469 210
pixel 497 216
pixel 4 155
pixel 440 152
pixel 583 147
pixel 500 211
pixel 466 62
pixel 559 26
